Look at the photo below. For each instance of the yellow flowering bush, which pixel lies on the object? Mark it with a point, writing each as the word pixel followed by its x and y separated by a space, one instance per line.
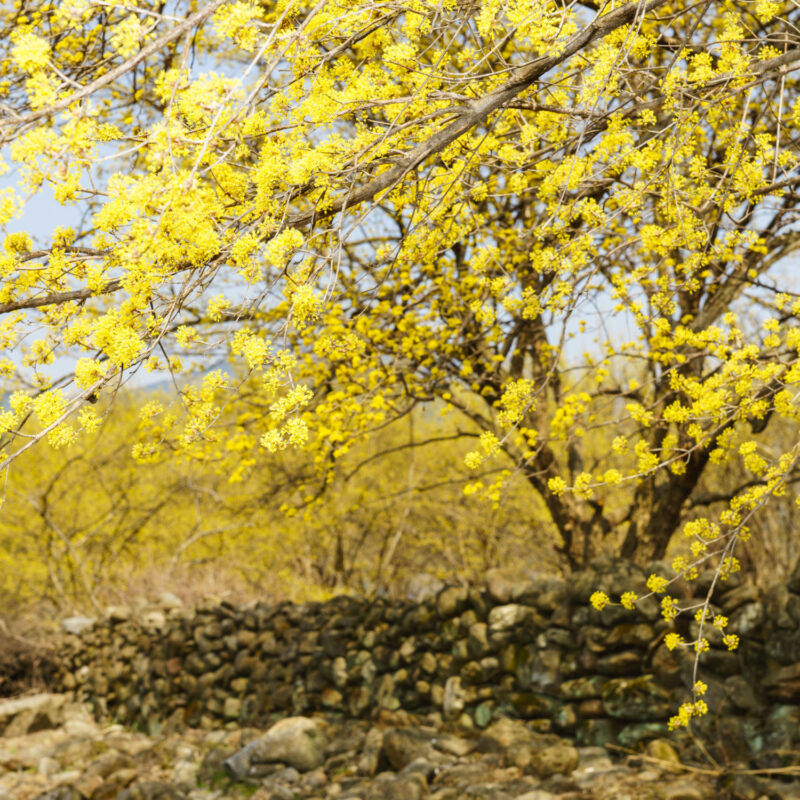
pixel 536 224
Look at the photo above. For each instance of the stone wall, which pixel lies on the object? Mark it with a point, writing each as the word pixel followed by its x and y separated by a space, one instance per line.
pixel 535 651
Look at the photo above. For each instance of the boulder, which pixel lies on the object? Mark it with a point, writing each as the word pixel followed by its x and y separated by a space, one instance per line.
pixel 297 741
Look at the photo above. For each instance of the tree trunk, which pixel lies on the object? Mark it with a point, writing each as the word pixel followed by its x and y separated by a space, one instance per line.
pixel 655 513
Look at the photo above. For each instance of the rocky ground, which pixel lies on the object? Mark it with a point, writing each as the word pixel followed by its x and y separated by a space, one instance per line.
pixel 51 749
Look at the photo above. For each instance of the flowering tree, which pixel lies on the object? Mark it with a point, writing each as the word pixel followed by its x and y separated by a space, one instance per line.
pixel 333 213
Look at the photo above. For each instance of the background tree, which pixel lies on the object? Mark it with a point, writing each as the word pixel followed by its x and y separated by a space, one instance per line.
pixel 334 214
pixel 86 526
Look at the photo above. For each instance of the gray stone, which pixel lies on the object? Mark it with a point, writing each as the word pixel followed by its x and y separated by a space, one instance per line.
pixel 746 619
pixel 119 613
pixel 508 617
pixel 558 759
pixel 371 752
pixel 422 587
pixel 504 733
pixel 296 741
pixel 685 790
pixel 454 745
pixel 742 694
pixel 487 791
pixel 483 713
pixel 592 761
pixel 232 708
pixel 156 620
pixel 663 750
pixel 169 600
pixel 64 792
pixel 781 685
pixel 397 788
pixel 30 714
pixel 150 790
pixel 499 585
pixel 734 598
pixel 478 642
pixel 404 745
pixel 77 625
pixel 454 698
pixel 637 699
pixel 452 601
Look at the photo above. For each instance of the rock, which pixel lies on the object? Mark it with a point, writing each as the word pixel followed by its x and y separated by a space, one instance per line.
pixel 634 734
pixel 508 617
pixel 487 791
pixel 499 585
pixel 794 578
pixel 636 699
pixel 169 600
pixel 150 790
pixel 628 662
pixel 398 788
pixel 741 693
pixel 685 790
pixel 422 587
pixel 454 698
pixel 184 775
pixel 452 601
pixel 156 620
pixel 749 787
pixel 533 705
pixel 370 755
pixel 592 761
pixel 212 765
pixel 747 619
pixel 64 792
pixel 734 598
pixel 420 766
pixel 504 733
pixel 663 750
pixel 781 685
pixel 454 745
pixel 583 688
pixel 119 613
pixel 296 741
pixel 404 745
pixel 478 642
pixel 232 708
pixel 30 714
pixel 48 766
pixel 559 759
pixel 77 625
pixel 109 762
pixel 483 714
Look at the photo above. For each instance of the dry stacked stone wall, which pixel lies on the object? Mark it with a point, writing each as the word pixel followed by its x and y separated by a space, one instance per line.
pixel 535 651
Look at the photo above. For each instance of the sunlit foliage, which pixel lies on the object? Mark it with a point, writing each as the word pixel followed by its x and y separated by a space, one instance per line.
pixel 86 526
pixel 313 219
